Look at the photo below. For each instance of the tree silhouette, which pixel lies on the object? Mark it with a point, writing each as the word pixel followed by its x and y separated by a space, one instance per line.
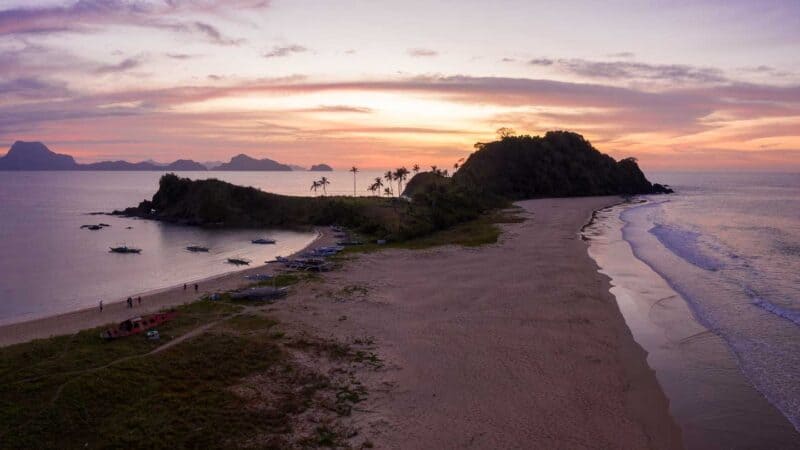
pixel 376 186
pixel 389 176
pixel 315 186
pixel 415 168
pixel 400 175
pixel 354 170
pixel 505 132
pixel 388 192
pixel 324 182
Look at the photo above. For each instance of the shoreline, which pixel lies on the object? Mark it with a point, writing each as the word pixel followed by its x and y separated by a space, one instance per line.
pixel 152 301
pixel 696 368
pixel 518 343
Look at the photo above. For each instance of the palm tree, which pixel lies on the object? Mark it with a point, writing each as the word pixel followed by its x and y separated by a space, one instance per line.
pixel 388 192
pixel 400 176
pixel 435 169
pixel 415 168
pixel 315 186
pixel 389 176
pixel 324 182
pixel 354 170
pixel 376 186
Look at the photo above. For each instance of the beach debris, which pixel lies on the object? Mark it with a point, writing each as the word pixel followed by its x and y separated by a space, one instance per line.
pixel 197 248
pixel 260 293
pixel 125 249
pixel 239 261
pixel 136 325
pixel 263 241
pixel 128 228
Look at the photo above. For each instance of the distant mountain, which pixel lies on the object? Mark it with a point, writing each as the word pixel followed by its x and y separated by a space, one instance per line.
pixel 186 165
pixel 297 168
pixel 321 168
pixel 211 165
pixel 35 156
pixel 244 162
pixel 119 166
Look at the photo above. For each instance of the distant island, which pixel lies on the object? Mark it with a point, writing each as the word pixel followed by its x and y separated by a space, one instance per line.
pixel 560 164
pixel 36 156
pixel 321 168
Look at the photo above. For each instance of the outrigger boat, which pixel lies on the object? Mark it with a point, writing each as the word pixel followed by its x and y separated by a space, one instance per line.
pixel 239 261
pixel 263 241
pixel 138 325
pixel 125 249
pixel 197 248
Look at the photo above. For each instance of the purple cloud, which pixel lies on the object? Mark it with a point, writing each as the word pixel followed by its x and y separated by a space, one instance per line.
pixel 630 70
pixel 279 52
pixel 422 52
pixel 122 66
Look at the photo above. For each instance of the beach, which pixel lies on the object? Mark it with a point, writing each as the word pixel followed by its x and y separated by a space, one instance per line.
pixel 117 309
pixel 517 344
pixel 513 345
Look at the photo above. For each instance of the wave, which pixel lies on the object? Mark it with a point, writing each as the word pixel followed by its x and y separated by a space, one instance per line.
pixel 686 244
pixel 780 311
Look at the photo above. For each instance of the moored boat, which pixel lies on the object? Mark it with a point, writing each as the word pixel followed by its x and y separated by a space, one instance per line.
pixel 239 261
pixel 125 249
pixel 263 241
pixel 197 248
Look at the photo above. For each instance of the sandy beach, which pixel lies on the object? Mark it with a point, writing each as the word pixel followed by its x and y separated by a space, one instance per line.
pixel 512 345
pixel 518 344
pixel 118 311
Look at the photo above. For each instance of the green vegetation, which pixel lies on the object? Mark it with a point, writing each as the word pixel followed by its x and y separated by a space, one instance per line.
pixel 82 392
pixel 511 168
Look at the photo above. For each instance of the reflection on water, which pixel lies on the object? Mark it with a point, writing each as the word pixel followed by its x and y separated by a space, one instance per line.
pixel 48 264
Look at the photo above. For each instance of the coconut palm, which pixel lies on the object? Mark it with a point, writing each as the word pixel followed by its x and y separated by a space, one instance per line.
pixel 323 182
pixel 389 176
pixel 435 169
pixel 354 170
pixel 400 176
pixel 415 168
pixel 376 186
pixel 388 192
pixel 315 186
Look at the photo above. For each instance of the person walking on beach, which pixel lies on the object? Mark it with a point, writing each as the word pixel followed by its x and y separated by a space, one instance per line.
pixel 139 300
pixel 101 306
pixel 130 302
pixel 184 286
pixel 196 287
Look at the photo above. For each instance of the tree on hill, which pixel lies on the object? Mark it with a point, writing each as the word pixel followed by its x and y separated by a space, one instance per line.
pixel 354 169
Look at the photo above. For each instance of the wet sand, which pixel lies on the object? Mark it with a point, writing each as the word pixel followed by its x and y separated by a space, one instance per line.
pixel 512 345
pixel 151 302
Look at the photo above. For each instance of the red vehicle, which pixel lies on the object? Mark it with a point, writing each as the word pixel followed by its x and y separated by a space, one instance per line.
pixel 138 325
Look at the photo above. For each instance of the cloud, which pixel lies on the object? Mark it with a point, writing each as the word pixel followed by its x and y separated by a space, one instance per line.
pixel 279 52
pixel 630 70
pixel 621 55
pixel 339 109
pixel 541 62
pixel 88 15
pixel 508 60
pixel 31 88
pixel 122 66
pixel 180 56
pixel 422 52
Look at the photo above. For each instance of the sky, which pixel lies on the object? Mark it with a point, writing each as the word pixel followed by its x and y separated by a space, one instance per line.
pixel 681 85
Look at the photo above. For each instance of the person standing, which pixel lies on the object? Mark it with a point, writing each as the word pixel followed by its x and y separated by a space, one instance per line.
pixel 101 306
pixel 130 302
pixel 196 287
pixel 184 286
pixel 139 300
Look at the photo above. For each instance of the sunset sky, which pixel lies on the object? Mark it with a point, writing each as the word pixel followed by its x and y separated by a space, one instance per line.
pixel 678 84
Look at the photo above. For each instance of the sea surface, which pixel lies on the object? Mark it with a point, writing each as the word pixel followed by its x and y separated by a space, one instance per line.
pixel 708 280
pixel 49 265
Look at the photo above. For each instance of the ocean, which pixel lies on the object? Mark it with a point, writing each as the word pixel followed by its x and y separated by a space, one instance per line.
pixel 49 265
pixel 708 280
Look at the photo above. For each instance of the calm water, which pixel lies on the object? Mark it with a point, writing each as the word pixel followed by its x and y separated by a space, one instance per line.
pixel 709 281
pixel 49 265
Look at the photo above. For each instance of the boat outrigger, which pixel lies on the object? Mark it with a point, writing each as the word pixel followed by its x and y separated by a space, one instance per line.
pixel 125 249
pixel 263 241
pixel 136 325
pixel 239 261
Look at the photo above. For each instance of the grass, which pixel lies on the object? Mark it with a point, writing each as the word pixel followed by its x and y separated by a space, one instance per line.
pixel 473 233
pixel 82 392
